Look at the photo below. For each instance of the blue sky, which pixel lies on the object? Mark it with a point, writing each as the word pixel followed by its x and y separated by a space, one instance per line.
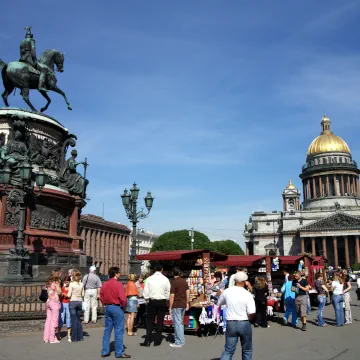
pixel 210 105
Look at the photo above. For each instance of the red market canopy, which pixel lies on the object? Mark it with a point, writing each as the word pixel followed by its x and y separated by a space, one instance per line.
pixel 179 255
pixel 289 260
pixel 239 260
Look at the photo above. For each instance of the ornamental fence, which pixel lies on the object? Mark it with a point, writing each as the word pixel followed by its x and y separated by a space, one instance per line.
pixel 21 302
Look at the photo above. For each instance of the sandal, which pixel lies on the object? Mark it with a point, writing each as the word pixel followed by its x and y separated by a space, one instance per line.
pixel 132 334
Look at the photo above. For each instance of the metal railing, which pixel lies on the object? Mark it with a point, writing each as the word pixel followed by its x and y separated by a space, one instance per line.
pixel 20 302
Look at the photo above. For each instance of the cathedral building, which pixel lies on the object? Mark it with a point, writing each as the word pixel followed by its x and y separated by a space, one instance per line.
pixel 327 222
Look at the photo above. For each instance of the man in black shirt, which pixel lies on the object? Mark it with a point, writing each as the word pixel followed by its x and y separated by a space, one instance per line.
pixel 300 287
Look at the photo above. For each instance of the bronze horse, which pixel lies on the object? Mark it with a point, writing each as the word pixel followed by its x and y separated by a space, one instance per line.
pixel 25 77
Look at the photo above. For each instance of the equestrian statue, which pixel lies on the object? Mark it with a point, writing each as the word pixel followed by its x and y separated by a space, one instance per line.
pixel 30 73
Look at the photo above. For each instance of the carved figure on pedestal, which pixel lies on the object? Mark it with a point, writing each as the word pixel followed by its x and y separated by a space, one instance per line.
pixel 70 179
pixel 15 152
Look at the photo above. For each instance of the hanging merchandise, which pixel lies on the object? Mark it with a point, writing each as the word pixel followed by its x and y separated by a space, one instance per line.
pixel 275 264
pixel 301 265
pixel 203 319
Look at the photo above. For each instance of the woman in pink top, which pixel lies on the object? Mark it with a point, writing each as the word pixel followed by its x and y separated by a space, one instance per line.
pixel 52 310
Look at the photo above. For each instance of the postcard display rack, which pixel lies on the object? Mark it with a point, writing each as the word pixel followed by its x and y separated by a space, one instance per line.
pixel 197 274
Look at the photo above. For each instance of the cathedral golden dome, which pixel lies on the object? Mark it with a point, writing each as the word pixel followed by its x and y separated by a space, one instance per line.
pixel 290 186
pixel 327 141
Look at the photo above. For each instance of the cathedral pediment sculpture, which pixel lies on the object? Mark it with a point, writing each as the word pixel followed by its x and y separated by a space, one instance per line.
pixel 337 221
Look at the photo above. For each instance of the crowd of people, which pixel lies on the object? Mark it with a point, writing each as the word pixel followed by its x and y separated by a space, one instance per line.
pixel 150 297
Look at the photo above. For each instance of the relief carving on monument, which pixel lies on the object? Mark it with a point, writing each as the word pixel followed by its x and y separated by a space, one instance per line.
pixel 334 222
pixel 12 214
pixel 43 217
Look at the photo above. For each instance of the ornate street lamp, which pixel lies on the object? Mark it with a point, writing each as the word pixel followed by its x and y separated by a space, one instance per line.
pixel 130 205
pixel 20 196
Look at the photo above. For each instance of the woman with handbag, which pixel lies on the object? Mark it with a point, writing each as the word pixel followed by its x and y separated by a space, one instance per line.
pixel 75 294
pixel 52 310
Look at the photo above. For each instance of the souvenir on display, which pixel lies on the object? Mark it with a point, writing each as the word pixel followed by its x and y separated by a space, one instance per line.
pixel 301 265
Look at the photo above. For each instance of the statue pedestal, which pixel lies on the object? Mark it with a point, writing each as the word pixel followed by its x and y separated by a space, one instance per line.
pixel 16 269
pixel 51 234
pixel 135 267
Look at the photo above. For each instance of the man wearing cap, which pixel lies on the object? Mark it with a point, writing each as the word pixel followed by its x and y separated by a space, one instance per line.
pixel 92 285
pixel 240 308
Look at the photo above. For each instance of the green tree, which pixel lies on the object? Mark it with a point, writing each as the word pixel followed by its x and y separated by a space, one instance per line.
pixel 227 247
pixel 180 240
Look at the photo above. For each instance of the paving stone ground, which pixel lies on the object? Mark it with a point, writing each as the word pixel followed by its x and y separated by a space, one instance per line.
pixel 275 343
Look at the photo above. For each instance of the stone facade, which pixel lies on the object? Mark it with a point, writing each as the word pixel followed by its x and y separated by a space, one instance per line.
pixel 328 221
pixel 106 242
pixel 145 241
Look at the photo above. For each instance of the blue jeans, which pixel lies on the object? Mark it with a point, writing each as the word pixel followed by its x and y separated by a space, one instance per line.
pixel 114 318
pixel 322 301
pixel 338 301
pixel 64 314
pixel 234 331
pixel 290 310
pixel 308 304
pixel 178 321
pixel 76 329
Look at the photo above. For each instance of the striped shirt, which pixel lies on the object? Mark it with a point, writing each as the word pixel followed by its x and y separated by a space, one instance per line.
pixel 91 281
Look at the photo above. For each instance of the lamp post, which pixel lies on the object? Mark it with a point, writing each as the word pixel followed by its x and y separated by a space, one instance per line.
pixel 20 196
pixel 129 201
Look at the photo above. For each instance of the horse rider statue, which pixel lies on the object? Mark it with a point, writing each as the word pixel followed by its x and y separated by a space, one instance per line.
pixel 30 73
pixel 28 56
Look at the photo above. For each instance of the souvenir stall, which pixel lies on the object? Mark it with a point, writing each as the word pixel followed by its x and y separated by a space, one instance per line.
pixel 196 268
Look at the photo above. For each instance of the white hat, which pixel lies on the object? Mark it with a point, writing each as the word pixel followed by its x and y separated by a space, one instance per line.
pixel 93 268
pixel 241 276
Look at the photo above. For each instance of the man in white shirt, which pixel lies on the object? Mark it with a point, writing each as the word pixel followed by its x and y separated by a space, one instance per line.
pixel 156 293
pixel 240 308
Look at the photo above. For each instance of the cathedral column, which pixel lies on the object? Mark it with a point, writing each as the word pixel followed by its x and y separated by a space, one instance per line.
pixel 314 188
pixel 327 186
pixel 347 255
pixel 342 185
pixel 304 191
pixel 348 185
pixel 320 187
pixel 324 247
pixel 247 248
pixel 336 256
pixel 357 249
pixel 313 248
pixel 335 187
pixel 302 243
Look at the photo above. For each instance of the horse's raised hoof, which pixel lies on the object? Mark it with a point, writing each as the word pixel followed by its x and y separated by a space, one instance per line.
pixel 69 107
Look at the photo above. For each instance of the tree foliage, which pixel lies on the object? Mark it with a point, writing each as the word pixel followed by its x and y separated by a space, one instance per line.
pixel 180 240
pixel 227 247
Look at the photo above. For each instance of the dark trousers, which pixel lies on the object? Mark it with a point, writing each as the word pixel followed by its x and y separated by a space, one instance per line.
pixel 155 308
pixel 140 317
pixel 261 316
pixel 76 326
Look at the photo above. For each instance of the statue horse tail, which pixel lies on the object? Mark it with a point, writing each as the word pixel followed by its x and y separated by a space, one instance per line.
pixel 2 64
